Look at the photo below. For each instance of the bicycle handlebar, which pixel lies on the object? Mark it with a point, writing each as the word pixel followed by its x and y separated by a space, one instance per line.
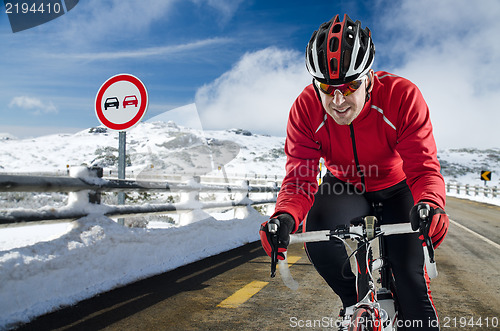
pixel 325 235
pixel 347 232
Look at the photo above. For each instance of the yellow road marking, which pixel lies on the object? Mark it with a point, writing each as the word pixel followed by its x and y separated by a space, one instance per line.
pixel 242 295
pixel 293 259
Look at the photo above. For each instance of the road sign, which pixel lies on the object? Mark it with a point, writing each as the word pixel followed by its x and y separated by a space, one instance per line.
pixel 486 175
pixel 121 102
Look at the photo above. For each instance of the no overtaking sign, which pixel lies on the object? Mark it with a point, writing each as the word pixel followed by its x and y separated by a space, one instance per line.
pixel 121 102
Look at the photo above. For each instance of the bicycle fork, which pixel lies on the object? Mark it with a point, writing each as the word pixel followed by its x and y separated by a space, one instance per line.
pixel 379 303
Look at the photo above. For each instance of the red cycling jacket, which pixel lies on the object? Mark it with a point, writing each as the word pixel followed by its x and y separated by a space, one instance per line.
pixel 391 140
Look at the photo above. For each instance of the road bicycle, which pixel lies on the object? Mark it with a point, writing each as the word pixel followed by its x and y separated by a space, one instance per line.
pixel 378 308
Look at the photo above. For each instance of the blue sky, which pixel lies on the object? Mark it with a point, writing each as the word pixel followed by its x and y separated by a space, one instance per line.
pixel 242 62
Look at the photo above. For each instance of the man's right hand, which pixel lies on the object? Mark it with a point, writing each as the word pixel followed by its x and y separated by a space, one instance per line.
pixel 285 225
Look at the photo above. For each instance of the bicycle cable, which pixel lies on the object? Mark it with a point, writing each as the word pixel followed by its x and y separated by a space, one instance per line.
pixel 353 252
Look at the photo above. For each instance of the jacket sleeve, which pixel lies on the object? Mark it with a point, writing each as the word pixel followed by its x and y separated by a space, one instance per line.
pixel 417 148
pixel 302 167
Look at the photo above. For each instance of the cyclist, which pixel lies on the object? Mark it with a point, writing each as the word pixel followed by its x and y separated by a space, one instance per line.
pixel 374 133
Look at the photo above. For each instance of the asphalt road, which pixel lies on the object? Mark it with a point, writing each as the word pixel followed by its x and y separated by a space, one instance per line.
pixel 468 285
pixel 195 297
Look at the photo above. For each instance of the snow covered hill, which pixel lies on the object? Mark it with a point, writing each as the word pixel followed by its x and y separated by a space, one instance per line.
pixel 165 146
pixel 464 165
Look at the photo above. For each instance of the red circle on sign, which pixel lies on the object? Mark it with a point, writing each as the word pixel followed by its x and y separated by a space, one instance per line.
pixel 142 109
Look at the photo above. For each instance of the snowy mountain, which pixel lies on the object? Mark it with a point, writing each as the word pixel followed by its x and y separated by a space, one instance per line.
pixel 465 165
pixel 162 146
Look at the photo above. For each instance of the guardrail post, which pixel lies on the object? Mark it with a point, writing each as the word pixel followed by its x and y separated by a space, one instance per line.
pixel 242 212
pixel 494 191
pixel 85 196
pixel 270 208
pixel 192 196
pixel 476 190
pixel 466 189
pixel 275 188
pixel 95 196
pixel 192 199
pixel 458 188
pixel 448 187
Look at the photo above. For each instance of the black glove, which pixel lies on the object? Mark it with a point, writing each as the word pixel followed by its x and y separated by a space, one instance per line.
pixel 285 224
pixel 439 222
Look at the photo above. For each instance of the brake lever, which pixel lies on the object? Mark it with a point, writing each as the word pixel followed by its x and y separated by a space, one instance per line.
pixel 425 224
pixel 273 230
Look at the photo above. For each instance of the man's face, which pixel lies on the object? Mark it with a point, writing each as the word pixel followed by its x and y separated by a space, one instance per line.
pixel 344 109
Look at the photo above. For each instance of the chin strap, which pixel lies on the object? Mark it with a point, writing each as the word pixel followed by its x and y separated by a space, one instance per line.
pixel 367 88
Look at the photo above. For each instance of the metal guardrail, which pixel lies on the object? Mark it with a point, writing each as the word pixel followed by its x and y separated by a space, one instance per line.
pixel 472 190
pixel 28 215
pixel 89 188
pixel 18 183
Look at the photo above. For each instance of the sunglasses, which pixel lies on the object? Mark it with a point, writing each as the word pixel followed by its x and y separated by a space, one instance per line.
pixel 345 89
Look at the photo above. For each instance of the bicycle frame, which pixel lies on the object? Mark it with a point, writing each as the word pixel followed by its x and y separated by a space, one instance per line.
pixel 375 304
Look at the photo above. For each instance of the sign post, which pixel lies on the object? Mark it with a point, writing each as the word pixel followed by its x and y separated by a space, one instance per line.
pixel 120 104
pixel 122 142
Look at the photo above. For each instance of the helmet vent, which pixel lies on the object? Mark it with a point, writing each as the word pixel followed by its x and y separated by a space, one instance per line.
pixel 337 28
pixel 359 60
pixel 347 60
pixel 363 39
pixel 334 44
pixel 334 65
pixel 320 40
pixel 322 64
pixel 311 62
pixel 350 38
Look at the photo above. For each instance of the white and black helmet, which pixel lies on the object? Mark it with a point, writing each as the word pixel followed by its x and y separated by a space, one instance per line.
pixel 340 52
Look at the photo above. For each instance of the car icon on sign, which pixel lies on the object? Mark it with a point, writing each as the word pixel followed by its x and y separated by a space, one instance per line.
pixel 130 100
pixel 111 102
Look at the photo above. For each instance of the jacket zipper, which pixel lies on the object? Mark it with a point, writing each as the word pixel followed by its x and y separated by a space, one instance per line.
pixel 356 160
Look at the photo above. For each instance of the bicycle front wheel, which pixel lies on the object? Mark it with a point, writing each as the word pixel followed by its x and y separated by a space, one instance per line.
pixel 365 319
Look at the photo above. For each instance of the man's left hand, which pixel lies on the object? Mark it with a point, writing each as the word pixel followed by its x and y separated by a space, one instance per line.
pixel 439 222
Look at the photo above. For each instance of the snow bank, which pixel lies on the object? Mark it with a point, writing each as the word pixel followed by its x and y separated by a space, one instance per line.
pixel 97 255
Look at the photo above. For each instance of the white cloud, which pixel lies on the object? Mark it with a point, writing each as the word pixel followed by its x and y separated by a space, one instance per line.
pixel 37 106
pixel 256 94
pixel 108 20
pixel 143 53
pixel 452 54
pixel 226 8
pixel 100 19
